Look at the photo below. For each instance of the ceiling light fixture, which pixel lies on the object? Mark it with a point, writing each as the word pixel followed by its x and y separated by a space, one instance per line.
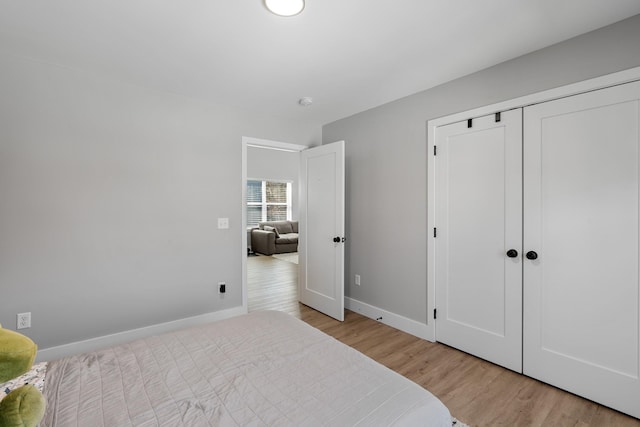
pixel 285 7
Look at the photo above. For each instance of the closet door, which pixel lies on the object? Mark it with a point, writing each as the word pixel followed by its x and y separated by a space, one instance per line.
pixel 581 294
pixel 478 173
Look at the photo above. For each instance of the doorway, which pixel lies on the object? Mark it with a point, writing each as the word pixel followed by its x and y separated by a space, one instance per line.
pixel 269 282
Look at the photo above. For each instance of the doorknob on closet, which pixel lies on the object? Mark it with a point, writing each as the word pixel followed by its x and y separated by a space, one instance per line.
pixel 512 253
pixel 532 255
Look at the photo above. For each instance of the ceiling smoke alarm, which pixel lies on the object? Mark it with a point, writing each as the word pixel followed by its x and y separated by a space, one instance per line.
pixel 306 101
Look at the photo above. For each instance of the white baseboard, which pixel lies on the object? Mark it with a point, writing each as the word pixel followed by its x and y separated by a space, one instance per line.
pixel 402 323
pixel 53 353
pixel 420 330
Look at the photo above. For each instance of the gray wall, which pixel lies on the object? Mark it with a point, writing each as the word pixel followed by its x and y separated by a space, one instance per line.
pixel 110 195
pixel 386 159
pixel 277 165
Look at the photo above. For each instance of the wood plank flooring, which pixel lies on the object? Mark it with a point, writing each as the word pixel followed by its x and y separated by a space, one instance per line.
pixel 477 392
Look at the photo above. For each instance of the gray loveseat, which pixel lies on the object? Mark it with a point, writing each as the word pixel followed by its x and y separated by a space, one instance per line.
pixel 275 237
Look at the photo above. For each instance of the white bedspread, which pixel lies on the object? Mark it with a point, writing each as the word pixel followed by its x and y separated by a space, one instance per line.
pixel 261 369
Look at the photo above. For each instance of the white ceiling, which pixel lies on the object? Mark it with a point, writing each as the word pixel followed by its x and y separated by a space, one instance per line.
pixel 349 55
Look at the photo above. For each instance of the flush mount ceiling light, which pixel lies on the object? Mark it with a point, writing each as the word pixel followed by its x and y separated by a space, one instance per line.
pixel 285 7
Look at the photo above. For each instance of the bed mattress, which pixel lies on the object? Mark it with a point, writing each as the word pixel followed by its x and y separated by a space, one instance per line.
pixel 262 369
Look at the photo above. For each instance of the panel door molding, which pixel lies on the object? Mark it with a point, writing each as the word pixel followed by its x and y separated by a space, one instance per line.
pixel 478 221
pixel 536 255
pixel 582 294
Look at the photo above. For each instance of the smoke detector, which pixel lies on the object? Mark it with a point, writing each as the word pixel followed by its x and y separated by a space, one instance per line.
pixel 306 101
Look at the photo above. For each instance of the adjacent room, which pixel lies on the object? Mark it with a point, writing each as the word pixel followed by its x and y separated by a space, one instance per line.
pixel 306 212
pixel 272 253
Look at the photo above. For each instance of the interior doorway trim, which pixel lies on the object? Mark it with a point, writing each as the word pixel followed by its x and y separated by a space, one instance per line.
pixel 607 80
pixel 248 141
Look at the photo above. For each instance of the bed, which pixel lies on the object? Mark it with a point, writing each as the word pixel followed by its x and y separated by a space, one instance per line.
pixel 263 369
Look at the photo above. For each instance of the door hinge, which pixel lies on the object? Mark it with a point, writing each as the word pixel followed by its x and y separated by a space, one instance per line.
pixel 498 117
pixel 435 150
pixel 435 313
pixel 435 232
pixel 470 123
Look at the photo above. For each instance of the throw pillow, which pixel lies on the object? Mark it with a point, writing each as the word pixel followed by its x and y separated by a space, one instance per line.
pixel 23 407
pixel 269 228
pixel 285 227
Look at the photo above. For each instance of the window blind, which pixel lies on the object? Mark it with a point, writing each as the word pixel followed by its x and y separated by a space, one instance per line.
pixel 268 201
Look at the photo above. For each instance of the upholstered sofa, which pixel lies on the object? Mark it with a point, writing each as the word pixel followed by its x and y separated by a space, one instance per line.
pixel 275 237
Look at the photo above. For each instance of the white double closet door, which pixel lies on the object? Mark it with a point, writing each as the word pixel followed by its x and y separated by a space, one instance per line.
pixel 537 244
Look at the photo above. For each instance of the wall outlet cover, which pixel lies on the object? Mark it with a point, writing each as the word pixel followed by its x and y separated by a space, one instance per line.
pixel 23 320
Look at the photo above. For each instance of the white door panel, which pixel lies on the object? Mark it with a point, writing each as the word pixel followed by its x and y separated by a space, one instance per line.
pixel 478 219
pixel 581 295
pixel 321 220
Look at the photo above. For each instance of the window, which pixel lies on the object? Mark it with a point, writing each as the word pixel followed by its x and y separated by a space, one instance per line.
pixel 268 201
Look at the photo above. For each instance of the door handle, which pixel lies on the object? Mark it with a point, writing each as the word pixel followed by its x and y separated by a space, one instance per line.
pixel 532 255
pixel 512 253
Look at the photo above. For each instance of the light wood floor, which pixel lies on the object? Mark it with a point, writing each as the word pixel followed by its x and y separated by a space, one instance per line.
pixel 477 392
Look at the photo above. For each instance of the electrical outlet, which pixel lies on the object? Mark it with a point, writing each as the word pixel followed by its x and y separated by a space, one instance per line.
pixel 222 287
pixel 358 279
pixel 24 320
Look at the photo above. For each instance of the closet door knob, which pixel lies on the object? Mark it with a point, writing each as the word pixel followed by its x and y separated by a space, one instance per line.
pixel 512 253
pixel 532 255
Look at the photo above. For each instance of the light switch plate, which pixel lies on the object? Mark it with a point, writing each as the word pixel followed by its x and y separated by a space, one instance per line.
pixel 223 223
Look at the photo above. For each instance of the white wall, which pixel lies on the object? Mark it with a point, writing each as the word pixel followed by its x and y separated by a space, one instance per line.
pixel 266 164
pixel 109 199
pixel 387 157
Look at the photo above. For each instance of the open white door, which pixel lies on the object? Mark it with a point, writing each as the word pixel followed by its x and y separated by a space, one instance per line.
pixel 321 241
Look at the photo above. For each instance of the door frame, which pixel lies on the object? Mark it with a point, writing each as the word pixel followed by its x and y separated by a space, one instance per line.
pixel 621 77
pixel 261 143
